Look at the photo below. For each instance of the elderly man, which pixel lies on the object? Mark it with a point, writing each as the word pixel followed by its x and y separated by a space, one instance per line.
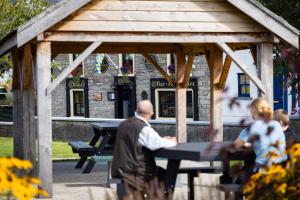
pixel 133 159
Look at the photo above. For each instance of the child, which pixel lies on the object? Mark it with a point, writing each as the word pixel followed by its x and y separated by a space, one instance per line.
pixel 266 135
pixel 282 117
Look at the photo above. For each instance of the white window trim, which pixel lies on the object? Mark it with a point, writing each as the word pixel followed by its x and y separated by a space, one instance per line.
pixel 157 107
pixel 72 101
pixel 71 60
pixel 121 64
pixel 169 63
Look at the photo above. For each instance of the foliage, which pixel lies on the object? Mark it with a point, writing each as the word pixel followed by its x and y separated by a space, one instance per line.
pixel 15 182
pixel 13 15
pixel 287 59
pixel 279 181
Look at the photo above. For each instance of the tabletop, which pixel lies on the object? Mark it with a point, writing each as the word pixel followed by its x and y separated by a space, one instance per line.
pixel 201 151
pixel 106 125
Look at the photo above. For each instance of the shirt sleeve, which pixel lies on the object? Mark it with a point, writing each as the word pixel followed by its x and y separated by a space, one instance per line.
pixel 150 139
pixel 244 135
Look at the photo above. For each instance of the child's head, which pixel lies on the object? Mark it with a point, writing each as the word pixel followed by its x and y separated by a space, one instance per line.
pixel 260 109
pixel 282 117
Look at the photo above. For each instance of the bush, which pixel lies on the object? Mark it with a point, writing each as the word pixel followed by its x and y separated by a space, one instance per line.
pixel 279 181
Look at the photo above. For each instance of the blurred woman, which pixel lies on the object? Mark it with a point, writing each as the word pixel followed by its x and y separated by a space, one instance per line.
pixel 265 135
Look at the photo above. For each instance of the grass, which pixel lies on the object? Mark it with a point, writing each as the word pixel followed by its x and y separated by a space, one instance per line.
pixel 60 150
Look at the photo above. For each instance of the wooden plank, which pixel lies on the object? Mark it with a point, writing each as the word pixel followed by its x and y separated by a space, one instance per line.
pixel 216 120
pixel 44 112
pixel 265 70
pixel 8 43
pixel 260 85
pixel 135 48
pixel 269 20
pixel 28 74
pixel 188 70
pixel 165 16
pixel 48 18
pixel 253 50
pixel 158 37
pixel 158 67
pixel 16 69
pixel 120 26
pixel 72 66
pixel 181 126
pixel 225 72
pixel 160 6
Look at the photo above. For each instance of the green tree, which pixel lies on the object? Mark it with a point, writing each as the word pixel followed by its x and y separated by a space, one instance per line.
pixel 13 14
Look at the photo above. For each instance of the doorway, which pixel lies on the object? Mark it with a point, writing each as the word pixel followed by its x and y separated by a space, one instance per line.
pixel 125 103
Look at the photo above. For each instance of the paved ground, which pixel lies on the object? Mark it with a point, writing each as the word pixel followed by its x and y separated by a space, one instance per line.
pixel 71 184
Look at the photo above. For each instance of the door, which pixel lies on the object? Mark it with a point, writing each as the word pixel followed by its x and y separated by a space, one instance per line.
pixel 125 103
pixel 280 93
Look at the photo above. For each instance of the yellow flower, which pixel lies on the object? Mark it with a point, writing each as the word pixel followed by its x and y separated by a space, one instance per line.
pixel 281 188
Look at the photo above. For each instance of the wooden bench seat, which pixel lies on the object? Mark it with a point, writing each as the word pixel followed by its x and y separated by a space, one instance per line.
pixel 80 146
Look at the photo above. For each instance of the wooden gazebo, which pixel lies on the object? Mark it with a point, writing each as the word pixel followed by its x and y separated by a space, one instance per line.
pixel 185 27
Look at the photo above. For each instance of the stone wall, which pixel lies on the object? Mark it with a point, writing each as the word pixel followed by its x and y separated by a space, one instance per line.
pixel 102 83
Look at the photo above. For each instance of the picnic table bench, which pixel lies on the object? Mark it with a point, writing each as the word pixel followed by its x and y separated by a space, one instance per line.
pixel 101 144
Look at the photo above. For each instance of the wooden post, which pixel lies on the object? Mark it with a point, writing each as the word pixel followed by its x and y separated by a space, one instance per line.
pixel 44 123
pixel 24 131
pixel 180 96
pixel 265 70
pixel 215 62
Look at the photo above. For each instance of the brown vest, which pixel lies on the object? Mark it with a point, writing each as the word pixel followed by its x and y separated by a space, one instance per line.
pixel 131 161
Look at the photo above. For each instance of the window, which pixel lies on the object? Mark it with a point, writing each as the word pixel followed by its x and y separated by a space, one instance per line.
pixel 165 103
pixel 78 71
pixel 77 102
pixel 171 61
pixel 126 64
pixel 243 85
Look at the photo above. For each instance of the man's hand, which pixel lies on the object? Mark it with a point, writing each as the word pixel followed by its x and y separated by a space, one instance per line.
pixel 171 138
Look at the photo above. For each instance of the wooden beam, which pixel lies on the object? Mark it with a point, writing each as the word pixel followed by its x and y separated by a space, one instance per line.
pixel 265 70
pixel 161 70
pixel 16 69
pixel 253 50
pixel 158 37
pixel 269 20
pixel 72 66
pixel 24 131
pixel 242 66
pixel 188 70
pixel 216 118
pixel 225 72
pixel 117 48
pixel 8 43
pixel 28 73
pixel 44 112
pixel 180 96
pixel 46 19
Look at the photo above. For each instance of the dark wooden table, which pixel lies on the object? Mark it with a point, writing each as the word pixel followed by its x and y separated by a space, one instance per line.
pixel 202 151
pixel 106 133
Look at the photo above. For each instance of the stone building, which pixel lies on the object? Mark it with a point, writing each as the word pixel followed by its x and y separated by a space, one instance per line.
pixel 109 94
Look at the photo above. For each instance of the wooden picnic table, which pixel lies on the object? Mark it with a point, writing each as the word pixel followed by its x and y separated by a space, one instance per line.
pixel 103 131
pixel 201 151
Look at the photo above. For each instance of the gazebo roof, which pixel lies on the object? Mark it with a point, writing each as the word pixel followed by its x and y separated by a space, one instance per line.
pixel 65 8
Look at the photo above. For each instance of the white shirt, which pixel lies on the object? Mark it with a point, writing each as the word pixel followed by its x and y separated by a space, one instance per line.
pixel 150 139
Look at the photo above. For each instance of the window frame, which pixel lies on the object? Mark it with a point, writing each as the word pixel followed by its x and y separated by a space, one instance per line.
pixel 173 90
pixel 243 84
pixel 72 102
pixel 121 63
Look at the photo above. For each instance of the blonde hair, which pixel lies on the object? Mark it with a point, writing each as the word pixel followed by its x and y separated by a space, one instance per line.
pixel 282 116
pixel 262 108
